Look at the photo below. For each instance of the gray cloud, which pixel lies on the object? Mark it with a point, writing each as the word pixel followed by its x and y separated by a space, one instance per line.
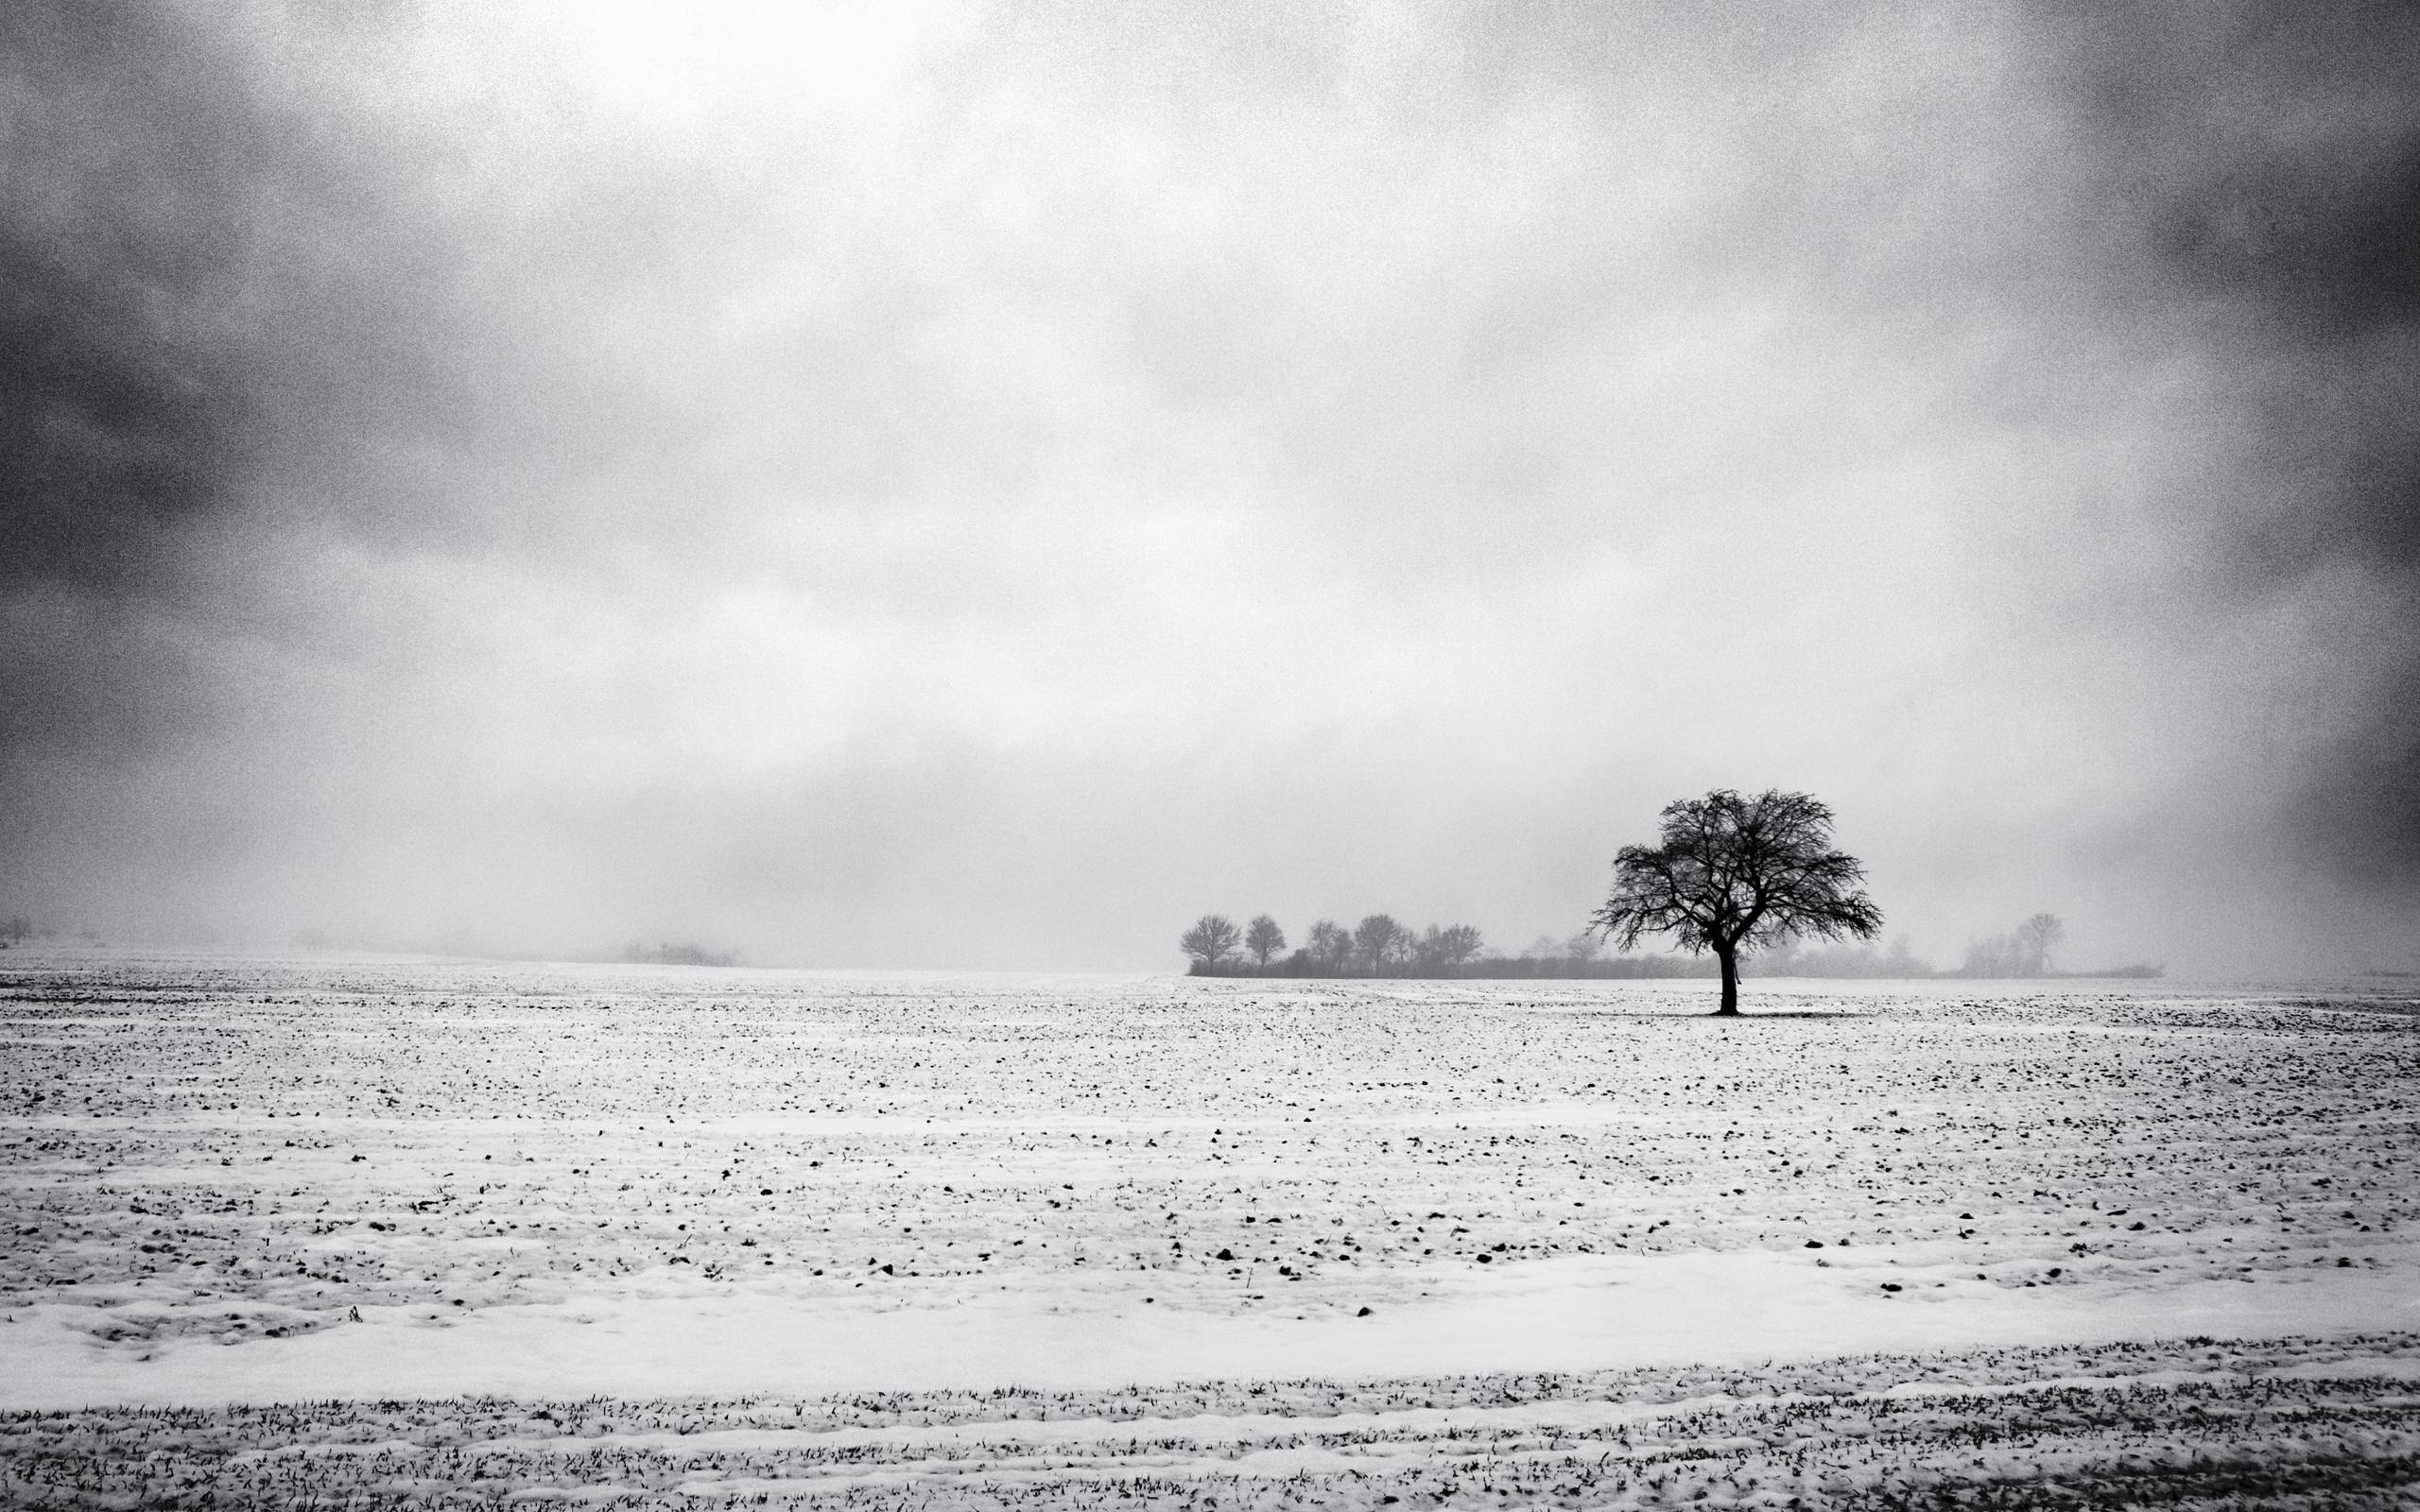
pixel 196 275
pixel 121 253
pixel 973 488
pixel 2271 157
pixel 124 425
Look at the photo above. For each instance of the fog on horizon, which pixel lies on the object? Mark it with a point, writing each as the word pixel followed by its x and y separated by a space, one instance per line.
pixel 972 486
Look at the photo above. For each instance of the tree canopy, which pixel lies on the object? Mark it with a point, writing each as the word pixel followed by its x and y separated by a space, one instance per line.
pixel 1738 874
pixel 1379 941
pixel 1264 940
pixel 1211 939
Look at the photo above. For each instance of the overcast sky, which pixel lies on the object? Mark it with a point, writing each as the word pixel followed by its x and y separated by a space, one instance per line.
pixel 972 486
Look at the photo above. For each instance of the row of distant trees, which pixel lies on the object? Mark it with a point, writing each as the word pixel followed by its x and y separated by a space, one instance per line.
pixel 17 928
pixel 2024 950
pixel 1379 946
pixel 683 954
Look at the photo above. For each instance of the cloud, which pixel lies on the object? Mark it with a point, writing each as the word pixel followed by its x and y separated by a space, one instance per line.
pixel 2272 157
pixel 961 487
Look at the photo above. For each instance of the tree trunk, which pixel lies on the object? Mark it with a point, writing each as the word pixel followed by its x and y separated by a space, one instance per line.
pixel 1730 960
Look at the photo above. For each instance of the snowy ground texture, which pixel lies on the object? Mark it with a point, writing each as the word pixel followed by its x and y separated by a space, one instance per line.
pixel 641 1235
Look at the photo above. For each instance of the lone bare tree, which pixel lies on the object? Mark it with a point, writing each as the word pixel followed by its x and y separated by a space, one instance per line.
pixel 1263 938
pixel 1736 873
pixel 1211 939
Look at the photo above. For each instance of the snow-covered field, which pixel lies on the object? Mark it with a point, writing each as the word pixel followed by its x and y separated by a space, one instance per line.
pixel 1021 1239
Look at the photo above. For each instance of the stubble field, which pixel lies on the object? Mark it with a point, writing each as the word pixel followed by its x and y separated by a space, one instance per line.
pixel 425 1232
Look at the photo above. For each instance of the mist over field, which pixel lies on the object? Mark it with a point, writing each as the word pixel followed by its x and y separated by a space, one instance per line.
pixel 980 487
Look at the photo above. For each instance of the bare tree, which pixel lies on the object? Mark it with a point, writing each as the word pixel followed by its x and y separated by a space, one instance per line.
pixel 2035 939
pixel 2023 952
pixel 1457 945
pixel 1902 960
pixel 1993 957
pixel 1583 948
pixel 1330 944
pixel 1379 940
pixel 1441 951
pixel 1264 940
pixel 1211 940
pixel 1737 873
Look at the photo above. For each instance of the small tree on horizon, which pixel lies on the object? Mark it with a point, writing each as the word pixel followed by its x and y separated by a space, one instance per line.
pixel 1263 938
pixel 1459 944
pixel 1211 940
pixel 2035 939
pixel 1330 944
pixel 1995 957
pixel 1737 873
pixel 1379 939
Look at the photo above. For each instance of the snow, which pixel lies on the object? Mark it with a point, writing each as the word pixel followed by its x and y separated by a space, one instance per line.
pixel 2331 1423
pixel 236 1182
pixel 1568 1315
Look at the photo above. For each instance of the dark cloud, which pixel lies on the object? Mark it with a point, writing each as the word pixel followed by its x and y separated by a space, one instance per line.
pixel 206 270
pixel 2268 155
pixel 128 424
pixel 123 414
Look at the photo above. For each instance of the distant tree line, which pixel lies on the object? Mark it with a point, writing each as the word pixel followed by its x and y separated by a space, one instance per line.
pixel 17 928
pixel 1380 946
pixel 685 954
pixel 2025 952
